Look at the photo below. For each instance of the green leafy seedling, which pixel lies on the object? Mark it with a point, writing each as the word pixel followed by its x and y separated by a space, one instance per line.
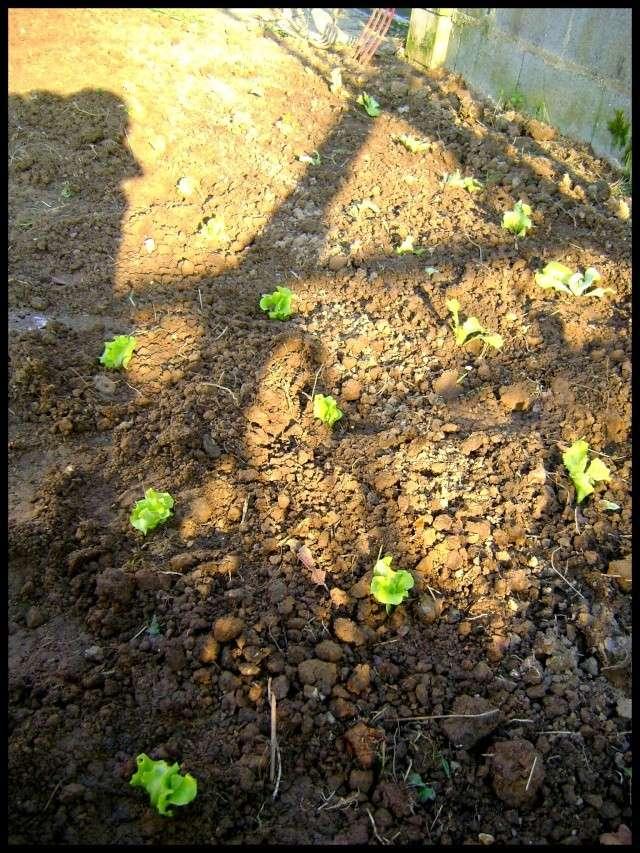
pixel 326 409
pixel 154 627
pixel 610 505
pixel 583 477
pixel 152 510
pixel 431 271
pixel 277 304
pixel 312 159
pixel 389 586
pixel 416 146
pixel 371 106
pixel 517 221
pixel 212 228
pixel 164 784
pixel 556 276
pixel 117 353
pixel 471 328
pixel 360 208
pixel 424 792
pixel 455 179
pixel 407 247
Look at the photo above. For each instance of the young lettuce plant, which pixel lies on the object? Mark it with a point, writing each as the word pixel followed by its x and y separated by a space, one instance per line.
pixel 407 247
pixel 164 784
pixel 278 303
pixel 371 106
pixel 455 179
pixel 326 409
pixel 471 328
pixel 424 792
pixel 517 221
pixel 583 477
pixel 389 586
pixel 311 159
pixel 416 146
pixel 117 353
pixel 556 276
pixel 154 509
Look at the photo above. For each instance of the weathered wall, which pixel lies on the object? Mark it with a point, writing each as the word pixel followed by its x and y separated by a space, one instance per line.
pixel 571 66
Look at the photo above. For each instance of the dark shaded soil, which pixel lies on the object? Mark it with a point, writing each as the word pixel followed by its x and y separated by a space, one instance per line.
pixel 519 623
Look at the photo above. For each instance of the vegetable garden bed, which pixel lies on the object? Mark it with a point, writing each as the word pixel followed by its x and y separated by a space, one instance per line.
pixel 168 169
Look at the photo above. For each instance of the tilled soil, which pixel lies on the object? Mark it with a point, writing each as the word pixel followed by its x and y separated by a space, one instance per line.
pixel 504 679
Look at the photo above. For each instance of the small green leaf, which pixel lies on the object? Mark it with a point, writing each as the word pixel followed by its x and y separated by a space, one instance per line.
pixel 407 247
pixel 388 586
pixel 583 478
pixel 164 784
pixel 431 271
pixel 415 146
pixel 312 159
pixel 610 505
pixel 154 627
pixel 455 179
pixel 117 353
pixel 326 409
pixel 277 304
pixel 517 220
pixel 371 106
pixel 154 509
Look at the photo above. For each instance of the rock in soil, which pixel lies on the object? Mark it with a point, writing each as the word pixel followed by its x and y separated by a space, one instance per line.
pixel 478 718
pixel 517 771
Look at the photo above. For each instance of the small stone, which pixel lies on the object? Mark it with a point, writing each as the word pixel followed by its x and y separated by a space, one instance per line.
pixel 621 570
pixel 337 262
pixel 283 500
pixel 623 708
pixel 360 678
pixel 329 651
pixel 209 650
pixel 485 838
pixel 188 267
pixel 516 398
pixel 446 385
pixel 104 386
pixel 518 771
pixel 479 720
pixel 429 609
pixel 540 131
pixel 34 617
pixel 363 742
pixel 351 390
pixel 347 631
pixel 72 792
pixel 318 673
pixel 227 628
pixel 95 654
pixel 210 447
pixel 338 596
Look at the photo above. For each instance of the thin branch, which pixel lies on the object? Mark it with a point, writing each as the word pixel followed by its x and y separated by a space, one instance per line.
pixel 451 716
pixel 563 577
pixel 531 774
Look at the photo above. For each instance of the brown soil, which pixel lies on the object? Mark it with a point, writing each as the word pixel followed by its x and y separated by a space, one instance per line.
pixel 514 621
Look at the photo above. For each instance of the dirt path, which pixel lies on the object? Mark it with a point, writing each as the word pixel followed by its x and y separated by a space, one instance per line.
pixel 156 190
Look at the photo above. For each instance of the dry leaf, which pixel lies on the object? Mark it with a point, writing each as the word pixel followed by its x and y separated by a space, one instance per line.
pixel 318 575
pixel 304 555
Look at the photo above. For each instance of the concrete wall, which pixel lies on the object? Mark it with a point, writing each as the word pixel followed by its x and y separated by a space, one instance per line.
pixel 571 66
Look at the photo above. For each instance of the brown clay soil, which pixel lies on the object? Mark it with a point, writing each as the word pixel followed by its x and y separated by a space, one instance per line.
pixel 504 679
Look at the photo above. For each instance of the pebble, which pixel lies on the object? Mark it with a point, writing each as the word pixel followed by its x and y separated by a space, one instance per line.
pixel 34 617
pixel 623 708
pixel 351 390
pixel 347 631
pixel 465 732
pixel 227 628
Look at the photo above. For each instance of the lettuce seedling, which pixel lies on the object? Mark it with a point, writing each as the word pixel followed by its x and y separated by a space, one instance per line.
pixel 517 220
pixel 212 228
pixel 424 792
pixel 326 409
pixel 583 478
pixel 416 146
pixel 164 784
pixel 312 159
pixel 371 106
pixel 359 208
pixel 388 586
pixel 471 328
pixel 406 247
pixel 455 179
pixel 278 303
pixel 151 511
pixel 556 276
pixel 117 353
